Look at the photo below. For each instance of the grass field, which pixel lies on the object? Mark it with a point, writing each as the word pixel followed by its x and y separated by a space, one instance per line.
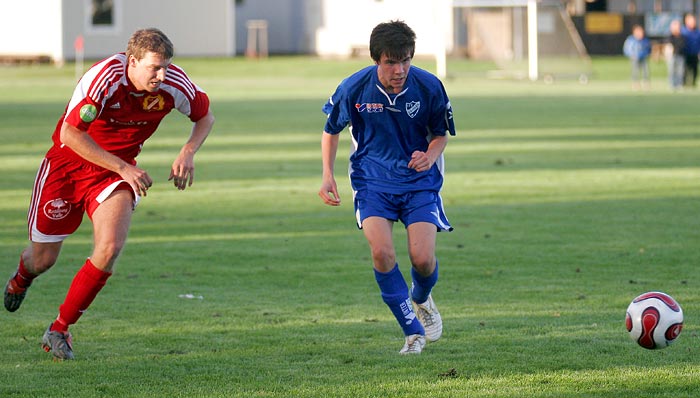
pixel 568 201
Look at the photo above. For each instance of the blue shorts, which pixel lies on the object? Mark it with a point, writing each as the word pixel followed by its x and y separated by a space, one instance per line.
pixel 409 208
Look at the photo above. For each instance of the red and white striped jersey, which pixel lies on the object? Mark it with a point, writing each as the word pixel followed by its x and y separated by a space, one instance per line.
pixel 121 118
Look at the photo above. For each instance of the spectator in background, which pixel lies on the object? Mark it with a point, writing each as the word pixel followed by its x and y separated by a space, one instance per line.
pixel 638 48
pixel 675 56
pixel 692 48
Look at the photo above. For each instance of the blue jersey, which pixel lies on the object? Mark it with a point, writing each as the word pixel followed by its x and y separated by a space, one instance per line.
pixel 387 128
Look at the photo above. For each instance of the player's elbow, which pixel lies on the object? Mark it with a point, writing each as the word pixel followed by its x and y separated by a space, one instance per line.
pixel 67 134
pixel 209 118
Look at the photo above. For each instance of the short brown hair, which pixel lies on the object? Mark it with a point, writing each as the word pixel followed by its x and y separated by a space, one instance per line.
pixel 149 40
pixel 394 39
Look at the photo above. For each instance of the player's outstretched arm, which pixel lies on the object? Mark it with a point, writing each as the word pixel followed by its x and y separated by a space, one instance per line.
pixel 182 170
pixel 329 189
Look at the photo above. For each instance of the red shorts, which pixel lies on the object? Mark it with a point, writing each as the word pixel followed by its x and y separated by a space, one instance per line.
pixel 64 190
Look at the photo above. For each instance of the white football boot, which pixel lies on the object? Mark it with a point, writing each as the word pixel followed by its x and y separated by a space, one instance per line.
pixel 414 344
pixel 429 316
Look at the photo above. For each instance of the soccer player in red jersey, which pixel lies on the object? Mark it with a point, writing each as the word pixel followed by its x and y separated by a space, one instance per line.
pixel 91 167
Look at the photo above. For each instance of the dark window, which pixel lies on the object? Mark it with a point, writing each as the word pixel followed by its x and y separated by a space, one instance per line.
pixel 102 12
pixel 597 5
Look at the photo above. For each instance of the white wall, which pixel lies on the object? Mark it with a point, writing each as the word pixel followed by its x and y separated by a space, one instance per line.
pixel 50 27
pixel 207 27
pixel 291 24
pixel 31 27
pixel 196 28
pixel 347 25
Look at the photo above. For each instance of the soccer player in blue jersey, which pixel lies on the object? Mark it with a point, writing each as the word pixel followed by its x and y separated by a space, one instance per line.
pixel 400 118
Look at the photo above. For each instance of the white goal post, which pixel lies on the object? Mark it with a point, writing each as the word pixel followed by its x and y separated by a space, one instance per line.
pixel 532 57
pixel 507 31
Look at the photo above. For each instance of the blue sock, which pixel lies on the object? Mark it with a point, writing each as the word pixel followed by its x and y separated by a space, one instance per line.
pixel 395 295
pixel 423 285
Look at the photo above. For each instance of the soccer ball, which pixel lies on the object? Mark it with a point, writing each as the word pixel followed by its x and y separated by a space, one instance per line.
pixel 654 320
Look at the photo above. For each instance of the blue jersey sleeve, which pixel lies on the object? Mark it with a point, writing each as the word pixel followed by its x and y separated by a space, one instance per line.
pixel 337 111
pixel 441 121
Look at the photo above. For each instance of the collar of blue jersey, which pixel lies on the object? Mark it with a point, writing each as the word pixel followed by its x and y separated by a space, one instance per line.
pixel 378 84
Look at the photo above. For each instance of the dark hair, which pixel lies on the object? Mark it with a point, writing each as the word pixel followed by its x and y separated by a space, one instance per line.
pixel 149 40
pixel 394 39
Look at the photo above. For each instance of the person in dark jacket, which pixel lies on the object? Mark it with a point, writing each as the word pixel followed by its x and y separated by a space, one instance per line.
pixel 692 49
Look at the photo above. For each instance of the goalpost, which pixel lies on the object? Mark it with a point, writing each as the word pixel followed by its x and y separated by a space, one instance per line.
pixel 506 31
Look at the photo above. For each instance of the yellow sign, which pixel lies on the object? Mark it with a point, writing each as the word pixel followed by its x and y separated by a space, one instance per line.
pixel 603 23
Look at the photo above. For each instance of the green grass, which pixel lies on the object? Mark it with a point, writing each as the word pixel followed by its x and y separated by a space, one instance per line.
pixel 568 201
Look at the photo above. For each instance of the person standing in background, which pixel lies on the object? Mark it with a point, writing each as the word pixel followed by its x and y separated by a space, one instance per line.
pixel 692 48
pixel 675 56
pixel 638 48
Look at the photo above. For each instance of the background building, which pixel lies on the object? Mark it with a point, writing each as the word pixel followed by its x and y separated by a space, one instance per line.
pixel 50 28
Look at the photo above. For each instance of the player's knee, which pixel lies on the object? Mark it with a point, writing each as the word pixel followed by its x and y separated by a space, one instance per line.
pixel 107 253
pixel 423 264
pixel 383 256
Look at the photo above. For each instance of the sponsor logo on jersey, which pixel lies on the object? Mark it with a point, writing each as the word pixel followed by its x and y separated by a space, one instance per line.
pixel 152 103
pixel 412 108
pixel 128 123
pixel 370 108
pixel 116 106
pixel 57 209
pixel 88 113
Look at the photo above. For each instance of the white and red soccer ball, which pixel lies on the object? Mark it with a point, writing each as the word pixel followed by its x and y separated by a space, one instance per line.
pixel 654 320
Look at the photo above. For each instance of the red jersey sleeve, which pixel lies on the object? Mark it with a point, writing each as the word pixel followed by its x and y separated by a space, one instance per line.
pixel 189 99
pixel 93 89
pixel 200 106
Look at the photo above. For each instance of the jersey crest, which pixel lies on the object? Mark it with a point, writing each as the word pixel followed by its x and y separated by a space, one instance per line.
pixel 153 103
pixel 412 108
